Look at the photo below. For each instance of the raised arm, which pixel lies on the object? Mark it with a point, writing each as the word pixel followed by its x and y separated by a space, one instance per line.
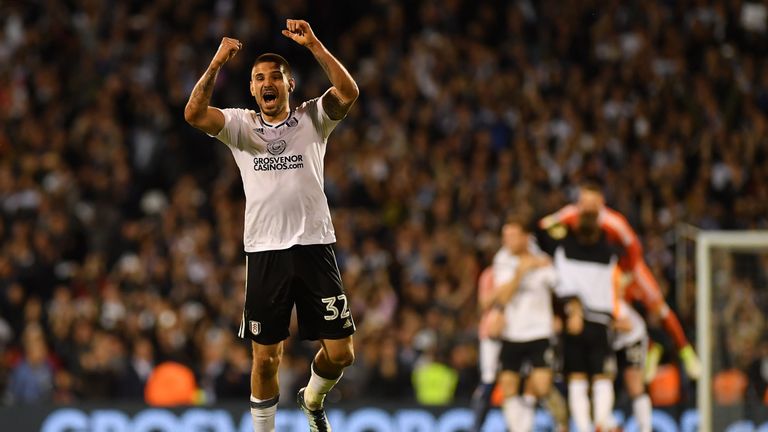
pixel 339 98
pixel 198 111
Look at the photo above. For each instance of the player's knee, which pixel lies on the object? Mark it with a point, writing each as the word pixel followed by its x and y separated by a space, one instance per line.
pixel 266 364
pixel 633 381
pixel 509 383
pixel 342 358
pixel 541 382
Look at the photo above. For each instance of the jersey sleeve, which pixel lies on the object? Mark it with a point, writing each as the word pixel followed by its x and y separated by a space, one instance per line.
pixel 231 133
pixel 616 226
pixel 324 125
pixel 568 215
pixel 550 277
pixel 236 134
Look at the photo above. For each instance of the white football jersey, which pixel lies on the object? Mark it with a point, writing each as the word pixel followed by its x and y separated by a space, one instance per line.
pixel 591 282
pixel 282 171
pixel 638 332
pixel 528 314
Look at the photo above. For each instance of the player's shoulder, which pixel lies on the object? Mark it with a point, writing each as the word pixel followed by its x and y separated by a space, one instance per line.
pixel 501 256
pixel 308 105
pixel 239 114
pixel 486 276
pixel 614 221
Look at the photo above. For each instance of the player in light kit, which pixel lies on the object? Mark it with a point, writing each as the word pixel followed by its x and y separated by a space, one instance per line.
pixel 524 284
pixel 586 258
pixel 490 347
pixel 643 286
pixel 631 344
pixel 288 231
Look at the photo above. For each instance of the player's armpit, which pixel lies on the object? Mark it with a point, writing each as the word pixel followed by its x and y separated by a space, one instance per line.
pixel 334 106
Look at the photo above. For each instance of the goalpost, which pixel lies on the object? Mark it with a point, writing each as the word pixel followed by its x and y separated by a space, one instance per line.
pixel 721 245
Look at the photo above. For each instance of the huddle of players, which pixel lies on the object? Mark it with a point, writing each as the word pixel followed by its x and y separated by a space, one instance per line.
pixel 589 257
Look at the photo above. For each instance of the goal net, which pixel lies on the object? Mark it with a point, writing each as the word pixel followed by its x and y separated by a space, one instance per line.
pixel 731 280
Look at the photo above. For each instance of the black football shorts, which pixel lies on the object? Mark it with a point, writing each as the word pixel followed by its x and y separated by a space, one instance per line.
pixel 537 354
pixel 589 352
pixel 304 275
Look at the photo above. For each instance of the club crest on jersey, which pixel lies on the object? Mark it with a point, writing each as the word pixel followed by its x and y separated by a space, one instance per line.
pixel 255 327
pixel 292 122
pixel 276 147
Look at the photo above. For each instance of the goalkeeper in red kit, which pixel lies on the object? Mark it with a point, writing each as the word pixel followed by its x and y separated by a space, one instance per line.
pixel 642 286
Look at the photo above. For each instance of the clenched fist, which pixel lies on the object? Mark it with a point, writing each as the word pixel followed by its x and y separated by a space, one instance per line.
pixel 227 49
pixel 300 32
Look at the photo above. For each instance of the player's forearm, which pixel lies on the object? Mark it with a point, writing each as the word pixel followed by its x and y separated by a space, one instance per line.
pixel 507 290
pixel 673 327
pixel 336 72
pixel 565 215
pixel 200 99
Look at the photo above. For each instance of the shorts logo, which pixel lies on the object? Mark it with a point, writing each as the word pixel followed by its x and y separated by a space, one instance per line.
pixel 255 327
pixel 292 122
pixel 549 357
pixel 276 147
pixel 348 324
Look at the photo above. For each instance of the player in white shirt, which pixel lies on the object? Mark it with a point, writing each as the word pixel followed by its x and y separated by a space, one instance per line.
pixel 490 347
pixel 524 283
pixel 631 344
pixel 586 257
pixel 279 151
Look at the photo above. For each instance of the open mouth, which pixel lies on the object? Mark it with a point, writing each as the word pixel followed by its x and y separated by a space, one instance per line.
pixel 269 96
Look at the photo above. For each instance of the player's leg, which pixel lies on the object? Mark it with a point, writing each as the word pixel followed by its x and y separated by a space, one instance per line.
pixel 537 386
pixel 329 364
pixel 553 400
pixel 578 401
pixel 602 368
pixel 540 382
pixel 489 367
pixel 265 321
pixel 513 405
pixel 265 391
pixel 323 313
pixel 645 289
pixel 576 367
pixel 634 383
pixel 540 355
pixel 555 403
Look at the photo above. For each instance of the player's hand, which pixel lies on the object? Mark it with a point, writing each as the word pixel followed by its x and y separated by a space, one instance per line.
pixel 574 324
pixel 531 262
pixel 227 49
pixel 300 32
pixel 623 324
pixel 652 360
pixel 690 362
pixel 496 322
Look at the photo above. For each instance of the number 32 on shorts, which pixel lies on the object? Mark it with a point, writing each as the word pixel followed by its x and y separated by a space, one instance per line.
pixel 333 311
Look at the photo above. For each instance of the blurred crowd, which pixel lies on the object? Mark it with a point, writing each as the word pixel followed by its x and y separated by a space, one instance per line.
pixel 121 226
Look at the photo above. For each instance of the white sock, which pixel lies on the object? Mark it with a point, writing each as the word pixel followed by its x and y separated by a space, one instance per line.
pixel 512 407
pixel 263 414
pixel 318 387
pixel 602 400
pixel 527 412
pixel 643 411
pixel 578 402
